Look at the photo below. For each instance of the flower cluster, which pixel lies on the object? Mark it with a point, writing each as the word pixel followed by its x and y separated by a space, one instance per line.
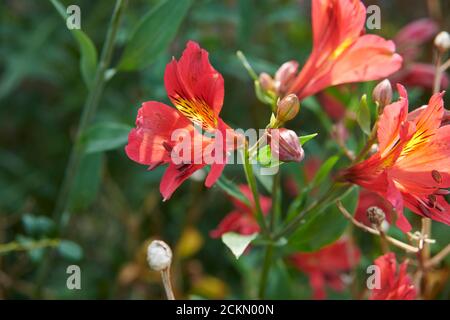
pixel 405 162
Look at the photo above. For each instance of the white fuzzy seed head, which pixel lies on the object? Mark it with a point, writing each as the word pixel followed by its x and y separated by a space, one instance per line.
pixel 442 41
pixel 159 255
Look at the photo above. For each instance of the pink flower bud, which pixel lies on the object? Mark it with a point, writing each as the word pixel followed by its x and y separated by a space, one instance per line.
pixel 284 76
pixel 288 107
pixel 285 145
pixel 382 93
pixel 266 82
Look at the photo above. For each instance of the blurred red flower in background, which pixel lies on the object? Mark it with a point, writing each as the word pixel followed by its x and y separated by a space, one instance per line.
pixel 196 89
pixel 242 220
pixel 412 165
pixel 409 41
pixel 326 266
pixel 395 283
pixel 342 53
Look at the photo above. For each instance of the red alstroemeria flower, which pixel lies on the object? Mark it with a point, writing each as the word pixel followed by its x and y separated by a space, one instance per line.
pixel 412 165
pixel 242 220
pixel 394 284
pixel 196 89
pixel 326 266
pixel 419 75
pixel 341 52
pixel 409 41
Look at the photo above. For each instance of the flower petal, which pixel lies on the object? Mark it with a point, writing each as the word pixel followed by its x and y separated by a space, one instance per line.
pixel 155 123
pixel 370 58
pixel 174 176
pixel 238 222
pixel 194 86
pixel 390 122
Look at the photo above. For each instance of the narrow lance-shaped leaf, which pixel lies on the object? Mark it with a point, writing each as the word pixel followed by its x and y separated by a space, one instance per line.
pixel 231 189
pixel 153 34
pixel 88 52
pixel 104 136
pixel 325 170
pixel 326 224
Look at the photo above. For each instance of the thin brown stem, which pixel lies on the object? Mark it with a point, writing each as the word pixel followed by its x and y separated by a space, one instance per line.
pixel 445 66
pixel 438 257
pixel 362 226
pixel 165 275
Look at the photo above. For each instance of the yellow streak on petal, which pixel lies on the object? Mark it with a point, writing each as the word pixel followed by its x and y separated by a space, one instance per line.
pixel 341 48
pixel 419 139
pixel 198 111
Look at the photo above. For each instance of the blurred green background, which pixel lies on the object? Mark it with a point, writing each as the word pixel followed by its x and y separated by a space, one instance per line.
pixel 116 206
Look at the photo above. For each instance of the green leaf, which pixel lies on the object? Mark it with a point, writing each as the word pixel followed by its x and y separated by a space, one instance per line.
pixel 70 250
pixel 87 182
pixel 324 225
pixel 280 282
pixel 232 189
pixel 304 139
pixel 37 225
pixel 363 115
pixel 105 136
pixel 237 243
pixel 88 52
pixel 325 170
pixel 153 34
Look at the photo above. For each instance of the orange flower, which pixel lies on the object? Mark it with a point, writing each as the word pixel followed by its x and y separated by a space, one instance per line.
pixel 341 52
pixel 412 166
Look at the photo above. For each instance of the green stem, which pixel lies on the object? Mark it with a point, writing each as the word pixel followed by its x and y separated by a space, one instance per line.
pixel 327 198
pixel 276 201
pixel 16 246
pixel 371 140
pixel 61 213
pixel 251 180
pixel 265 271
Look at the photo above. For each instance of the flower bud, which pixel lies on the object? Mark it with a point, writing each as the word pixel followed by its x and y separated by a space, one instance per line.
pixel 266 82
pixel 442 41
pixel 159 255
pixel 288 107
pixel 382 93
pixel 285 145
pixel 284 76
pixel 376 216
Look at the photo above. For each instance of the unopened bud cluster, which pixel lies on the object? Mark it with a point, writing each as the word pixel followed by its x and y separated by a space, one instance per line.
pixel 282 81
